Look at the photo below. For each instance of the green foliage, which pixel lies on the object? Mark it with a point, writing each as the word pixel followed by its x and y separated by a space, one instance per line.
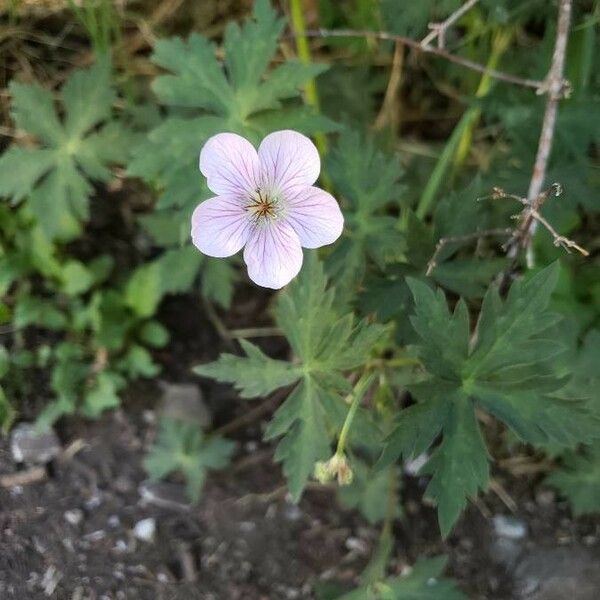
pixel 205 97
pixel 510 368
pixel 367 180
pixel 182 447
pixel 368 492
pixel 412 18
pixel 325 345
pixel 424 582
pixel 578 479
pixel 55 176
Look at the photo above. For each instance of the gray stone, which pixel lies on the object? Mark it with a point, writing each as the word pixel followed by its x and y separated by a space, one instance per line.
pixel 558 574
pixel 164 494
pixel 510 527
pixel 74 517
pixel 145 530
pixel 32 445
pixel 183 401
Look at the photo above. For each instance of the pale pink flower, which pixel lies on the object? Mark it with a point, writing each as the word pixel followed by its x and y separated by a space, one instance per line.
pixel 266 203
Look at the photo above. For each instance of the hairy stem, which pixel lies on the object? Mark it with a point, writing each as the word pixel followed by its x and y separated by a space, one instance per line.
pixel 360 389
pixel 311 95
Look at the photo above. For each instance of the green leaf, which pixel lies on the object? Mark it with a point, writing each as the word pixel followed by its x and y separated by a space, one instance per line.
pixel 511 368
pixel 87 97
pixel 301 419
pixel 144 290
pixel 20 170
pixel 424 582
pixel 138 362
pixel 578 480
pixel 76 278
pixel 103 395
pixel 4 361
pixel 33 111
pixel 255 375
pixel 73 151
pixel 459 466
pixel 182 447
pixel 154 334
pixel 368 181
pixel 31 310
pixel 368 492
pixel 7 412
pixel 325 345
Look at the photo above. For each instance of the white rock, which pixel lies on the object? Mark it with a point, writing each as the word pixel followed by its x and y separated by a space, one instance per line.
pixel 509 527
pixel 74 517
pixel 32 445
pixel 145 530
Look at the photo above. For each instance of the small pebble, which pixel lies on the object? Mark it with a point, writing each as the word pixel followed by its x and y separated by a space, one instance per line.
pixel 145 530
pixel 357 545
pixel 95 536
pixel 412 467
pixel 509 527
pixel 114 521
pixel 32 445
pixel 74 517
pixel 545 498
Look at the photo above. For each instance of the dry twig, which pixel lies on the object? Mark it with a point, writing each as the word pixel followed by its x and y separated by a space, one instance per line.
pixel 556 88
pixel 531 214
pixel 33 475
pixel 539 86
pixel 438 30
pixel 458 239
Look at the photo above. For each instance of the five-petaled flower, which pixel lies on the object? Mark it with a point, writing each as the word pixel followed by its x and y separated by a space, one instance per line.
pixel 266 202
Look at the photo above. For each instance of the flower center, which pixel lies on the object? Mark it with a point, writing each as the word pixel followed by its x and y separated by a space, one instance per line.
pixel 263 205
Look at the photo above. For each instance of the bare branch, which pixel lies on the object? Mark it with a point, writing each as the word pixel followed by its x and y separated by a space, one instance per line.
pixel 531 214
pixel 539 86
pixel 556 87
pixel 457 239
pixel 438 30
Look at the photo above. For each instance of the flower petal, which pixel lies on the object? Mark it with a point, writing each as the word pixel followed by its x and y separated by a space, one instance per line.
pixel 315 217
pixel 230 164
pixel 288 159
pixel 220 226
pixel 273 255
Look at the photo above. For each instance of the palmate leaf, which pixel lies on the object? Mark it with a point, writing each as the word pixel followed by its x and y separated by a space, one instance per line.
pixel 578 480
pixel 424 582
pixel 72 152
pixel 578 477
pixel 510 369
pixel 368 181
pixel 325 345
pixel 183 447
pixel 205 97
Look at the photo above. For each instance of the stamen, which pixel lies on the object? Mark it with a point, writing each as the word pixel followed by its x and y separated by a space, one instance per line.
pixel 263 206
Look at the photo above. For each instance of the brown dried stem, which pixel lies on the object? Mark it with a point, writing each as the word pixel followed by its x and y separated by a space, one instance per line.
pixel 556 87
pixel 459 239
pixel 539 86
pixel 438 30
pixel 531 214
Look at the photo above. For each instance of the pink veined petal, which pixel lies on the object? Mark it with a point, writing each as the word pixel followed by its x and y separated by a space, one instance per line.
pixel 315 216
pixel 230 164
pixel 273 255
pixel 220 226
pixel 288 159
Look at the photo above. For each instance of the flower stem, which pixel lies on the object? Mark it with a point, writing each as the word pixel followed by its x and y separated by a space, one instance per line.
pixel 360 389
pixel 311 96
